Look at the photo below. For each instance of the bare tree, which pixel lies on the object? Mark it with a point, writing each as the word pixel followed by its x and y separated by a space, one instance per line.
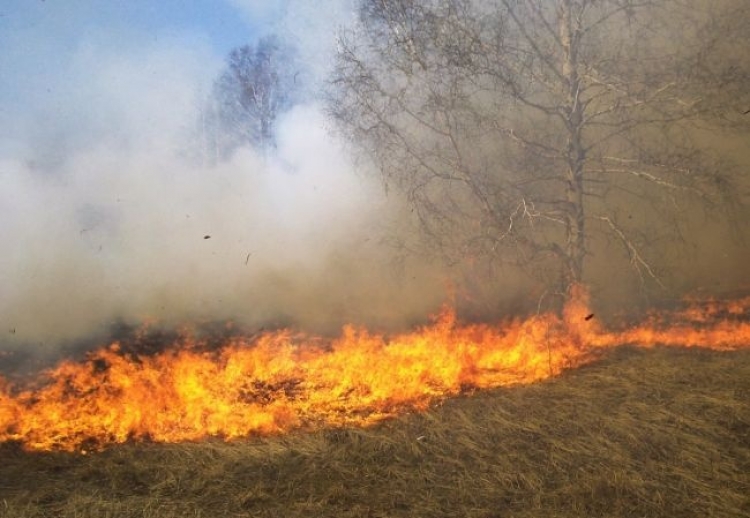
pixel 258 84
pixel 537 131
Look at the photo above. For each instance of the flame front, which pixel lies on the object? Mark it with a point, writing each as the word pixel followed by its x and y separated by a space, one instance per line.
pixel 283 381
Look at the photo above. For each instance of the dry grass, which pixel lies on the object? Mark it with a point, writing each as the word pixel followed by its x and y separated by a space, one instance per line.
pixel 652 433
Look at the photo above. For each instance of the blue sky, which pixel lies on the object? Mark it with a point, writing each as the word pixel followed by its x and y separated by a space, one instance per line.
pixel 224 23
pixel 40 38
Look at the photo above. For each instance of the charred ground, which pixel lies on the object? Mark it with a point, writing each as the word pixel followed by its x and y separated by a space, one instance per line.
pixel 661 432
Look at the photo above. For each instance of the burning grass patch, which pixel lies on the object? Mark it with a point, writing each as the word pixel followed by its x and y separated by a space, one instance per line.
pixel 661 432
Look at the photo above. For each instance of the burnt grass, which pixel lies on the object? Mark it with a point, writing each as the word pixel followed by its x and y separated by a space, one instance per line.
pixel 641 433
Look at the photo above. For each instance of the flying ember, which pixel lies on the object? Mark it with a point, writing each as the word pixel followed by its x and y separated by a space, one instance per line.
pixel 283 380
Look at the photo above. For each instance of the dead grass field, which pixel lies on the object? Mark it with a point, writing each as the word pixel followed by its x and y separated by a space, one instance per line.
pixel 642 433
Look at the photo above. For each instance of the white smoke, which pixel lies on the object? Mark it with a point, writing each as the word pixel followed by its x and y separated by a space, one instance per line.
pixel 105 217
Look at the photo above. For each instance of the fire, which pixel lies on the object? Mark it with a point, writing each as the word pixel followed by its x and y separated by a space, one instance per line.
pixel 281 380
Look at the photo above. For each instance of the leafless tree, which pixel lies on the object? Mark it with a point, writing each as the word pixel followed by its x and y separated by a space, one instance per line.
pixel 258 83
pixel 537 132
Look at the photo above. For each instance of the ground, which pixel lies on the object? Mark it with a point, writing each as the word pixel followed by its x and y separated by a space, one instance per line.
pixel 659 433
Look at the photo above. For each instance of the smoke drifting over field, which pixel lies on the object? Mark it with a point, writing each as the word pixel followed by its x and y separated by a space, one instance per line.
pixel 105 216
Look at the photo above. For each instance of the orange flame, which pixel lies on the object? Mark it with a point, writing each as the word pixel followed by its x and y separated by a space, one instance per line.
pixel 283 381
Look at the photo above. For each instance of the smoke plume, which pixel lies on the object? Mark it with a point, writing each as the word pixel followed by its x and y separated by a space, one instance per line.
pixel 107 217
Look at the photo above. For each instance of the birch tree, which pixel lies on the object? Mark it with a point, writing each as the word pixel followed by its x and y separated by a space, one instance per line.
pixel 538 132
pixel 258 83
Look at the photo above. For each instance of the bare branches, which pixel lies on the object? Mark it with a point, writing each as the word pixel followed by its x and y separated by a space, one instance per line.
pixel 627 8
pixel 643 171
pixel 642 267
pixel 509 123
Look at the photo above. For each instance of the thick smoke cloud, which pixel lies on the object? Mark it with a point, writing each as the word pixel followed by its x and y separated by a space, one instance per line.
pixel 106 217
